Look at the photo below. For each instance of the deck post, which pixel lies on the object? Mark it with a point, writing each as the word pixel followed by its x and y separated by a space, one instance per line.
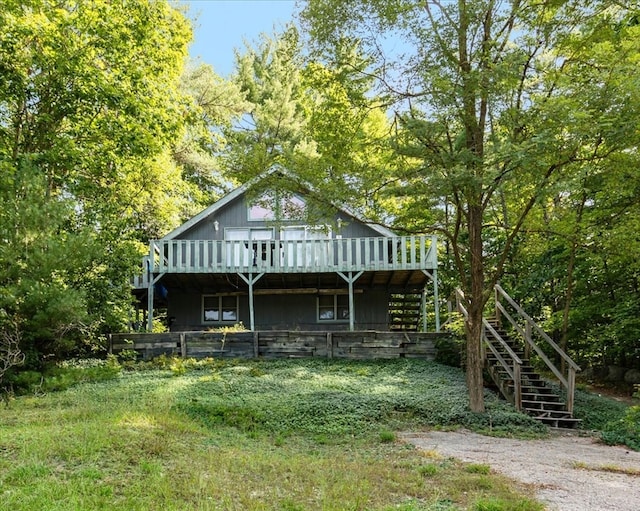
pixel 150 284
pixel 350 278
pixel 250 281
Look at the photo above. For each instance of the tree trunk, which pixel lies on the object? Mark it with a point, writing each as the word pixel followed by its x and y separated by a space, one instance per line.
pixel 569 291
pixel 475 361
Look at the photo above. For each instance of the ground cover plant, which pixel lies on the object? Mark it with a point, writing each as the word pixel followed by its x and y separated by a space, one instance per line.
pixel 249 435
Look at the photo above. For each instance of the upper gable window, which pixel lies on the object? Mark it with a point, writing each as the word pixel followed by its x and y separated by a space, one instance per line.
pixel 276 207
pixel 261 211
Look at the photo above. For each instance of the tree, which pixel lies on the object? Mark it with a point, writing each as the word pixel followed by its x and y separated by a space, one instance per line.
pixel 347 125
pixel 89 106
pixel 315 116
pixel 497 103
pixel 270 131
pixel 214 105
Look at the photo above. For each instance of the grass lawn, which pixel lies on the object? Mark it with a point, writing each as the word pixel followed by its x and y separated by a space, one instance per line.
pixel 252 435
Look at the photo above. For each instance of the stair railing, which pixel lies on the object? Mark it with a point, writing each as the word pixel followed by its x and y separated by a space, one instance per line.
pixel 527 332
pixel 512 368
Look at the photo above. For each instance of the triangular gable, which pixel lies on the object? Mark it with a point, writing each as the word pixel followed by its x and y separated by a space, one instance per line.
pixel 241 190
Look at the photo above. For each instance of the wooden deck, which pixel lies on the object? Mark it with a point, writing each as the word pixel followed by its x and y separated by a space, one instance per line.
pixel 401 253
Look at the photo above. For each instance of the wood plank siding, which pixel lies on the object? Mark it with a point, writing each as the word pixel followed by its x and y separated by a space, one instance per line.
pixel 280 344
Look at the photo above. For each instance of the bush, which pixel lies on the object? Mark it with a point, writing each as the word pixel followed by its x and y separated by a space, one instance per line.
pixel 624 431
pixel 597 411
pixel 64 374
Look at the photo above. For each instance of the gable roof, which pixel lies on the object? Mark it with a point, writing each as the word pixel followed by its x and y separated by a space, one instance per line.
pixel 241 190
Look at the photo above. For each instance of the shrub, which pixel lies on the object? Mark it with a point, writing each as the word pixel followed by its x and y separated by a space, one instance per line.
pixel 596 411
pixel 61 376
pixel 387 436
pixel 625 431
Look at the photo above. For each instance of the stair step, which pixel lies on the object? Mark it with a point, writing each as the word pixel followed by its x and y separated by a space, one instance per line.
pixel 556 422
pixel 540 396
pixel 544 405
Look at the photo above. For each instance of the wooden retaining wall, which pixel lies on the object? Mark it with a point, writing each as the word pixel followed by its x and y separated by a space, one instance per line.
pixel 279 344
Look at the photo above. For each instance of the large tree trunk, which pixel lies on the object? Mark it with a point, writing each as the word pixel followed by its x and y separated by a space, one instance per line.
pixel 475 381
pixel 475 361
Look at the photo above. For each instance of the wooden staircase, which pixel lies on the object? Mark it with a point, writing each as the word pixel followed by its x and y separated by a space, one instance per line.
pixel 507 360
pixel 537 398
pixel 405 312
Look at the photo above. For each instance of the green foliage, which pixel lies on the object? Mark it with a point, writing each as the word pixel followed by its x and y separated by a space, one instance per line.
pixel 387 436
pixel 212 104
pixel 450 350
pixel 515 147
pixel 507 505
pixel 596 411
pixel 428 470
pixel 474 468
pixel 63 375
pixel 89 107
pixel 271 128
pixel 70 449
pixel 624 431
pixel 335 400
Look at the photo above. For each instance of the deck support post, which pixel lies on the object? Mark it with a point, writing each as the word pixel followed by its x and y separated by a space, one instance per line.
pixel 152 282
pixel 350 278
pixel 250 280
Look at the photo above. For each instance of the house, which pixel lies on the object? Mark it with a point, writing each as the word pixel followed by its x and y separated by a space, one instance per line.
pixel 261 257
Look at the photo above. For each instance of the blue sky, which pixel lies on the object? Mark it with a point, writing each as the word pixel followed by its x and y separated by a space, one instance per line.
pixel 222 25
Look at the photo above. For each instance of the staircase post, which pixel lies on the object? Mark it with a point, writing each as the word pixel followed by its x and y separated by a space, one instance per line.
pixel 571 389
pixel 497 300
pixel 528 339
pixel 517 386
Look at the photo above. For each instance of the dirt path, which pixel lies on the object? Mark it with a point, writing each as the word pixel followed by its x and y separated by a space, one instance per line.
pixel 569 472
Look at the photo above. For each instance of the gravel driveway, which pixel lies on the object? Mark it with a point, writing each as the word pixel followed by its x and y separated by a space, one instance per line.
pixel 568 472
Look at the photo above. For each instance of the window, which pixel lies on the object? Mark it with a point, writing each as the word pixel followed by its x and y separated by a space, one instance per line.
pixel 333 308
pixel 219 309
pixel 270 206
pixel 261 210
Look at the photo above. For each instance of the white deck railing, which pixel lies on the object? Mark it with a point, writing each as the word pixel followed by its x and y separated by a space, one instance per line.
pixel 289 256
